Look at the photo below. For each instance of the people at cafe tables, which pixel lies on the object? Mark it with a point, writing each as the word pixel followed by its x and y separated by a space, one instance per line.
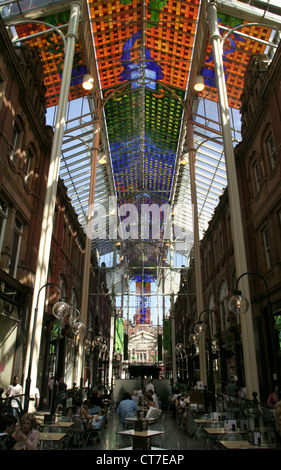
pixel 149 386
pixel 148 399
pixel 126 408
pixel 135 396
pixel 141 394
pixel 96 402
pixel 172 401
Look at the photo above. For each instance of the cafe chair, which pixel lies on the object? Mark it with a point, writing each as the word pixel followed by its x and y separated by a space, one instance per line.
pixel 53 429
pixel 162 441
pixel 121 441
pixel 130 424
pixel 95 434
pixel 78 432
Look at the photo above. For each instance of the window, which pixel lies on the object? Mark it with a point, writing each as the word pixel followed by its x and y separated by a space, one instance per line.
pixel 271 150
pixel 223 304
pixel 257 175
pixel 266 247
pixel 15 248
pixel 3 220
pixel 28 165
pixel 15 144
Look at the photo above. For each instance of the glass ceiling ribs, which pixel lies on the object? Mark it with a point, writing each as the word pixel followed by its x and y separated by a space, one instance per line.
pixel 141 54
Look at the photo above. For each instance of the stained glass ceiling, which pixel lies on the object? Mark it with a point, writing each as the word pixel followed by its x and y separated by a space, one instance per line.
pixel 144 56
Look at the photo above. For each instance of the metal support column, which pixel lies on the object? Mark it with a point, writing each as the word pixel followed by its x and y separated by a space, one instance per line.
pixel 43 258
pixel 247 330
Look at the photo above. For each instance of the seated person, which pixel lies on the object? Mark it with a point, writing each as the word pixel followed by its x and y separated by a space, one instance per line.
pixel 7 429
pixel 96 402
pixel 148 399
pixel 127 407
pixel 96 421
pixel 26 433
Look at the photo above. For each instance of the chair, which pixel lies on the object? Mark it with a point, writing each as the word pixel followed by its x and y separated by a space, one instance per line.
pixel 54 429
pixel 120 439
pixel 231 436
pixel 153 413
pixel 165 438
pixel 215 425
pixel 130 424
pixel 158 423
pixel 95 433
pixel 78 432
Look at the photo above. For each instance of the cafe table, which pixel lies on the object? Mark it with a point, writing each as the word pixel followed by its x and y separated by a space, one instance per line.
pixel 199 424
pixel 224 431
pixel 54 437
pixel 140 438
pixel 59 424
pixel 64 424
pixel 236 445
pixel 135 418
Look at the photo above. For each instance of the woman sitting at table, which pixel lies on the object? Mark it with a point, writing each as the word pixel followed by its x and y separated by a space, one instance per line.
pixel 26 433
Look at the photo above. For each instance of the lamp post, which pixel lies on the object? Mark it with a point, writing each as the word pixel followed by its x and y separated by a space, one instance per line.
pixel 78 328
pixel 223 375
pixel 59 307
pixel 239 305
pixel 83 330
pixel 200 328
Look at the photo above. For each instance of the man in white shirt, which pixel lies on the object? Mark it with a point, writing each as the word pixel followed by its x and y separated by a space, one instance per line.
pixel 13 391
pixel 149 386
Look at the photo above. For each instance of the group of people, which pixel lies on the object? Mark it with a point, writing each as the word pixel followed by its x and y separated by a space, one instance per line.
pixel 15 435
pixel 89 415
pixel 139 399
pixel 18 431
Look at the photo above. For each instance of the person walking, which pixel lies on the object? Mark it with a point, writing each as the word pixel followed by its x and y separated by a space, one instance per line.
pixel 15 390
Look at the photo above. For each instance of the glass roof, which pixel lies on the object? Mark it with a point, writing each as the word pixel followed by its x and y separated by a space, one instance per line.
pixel 144 56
